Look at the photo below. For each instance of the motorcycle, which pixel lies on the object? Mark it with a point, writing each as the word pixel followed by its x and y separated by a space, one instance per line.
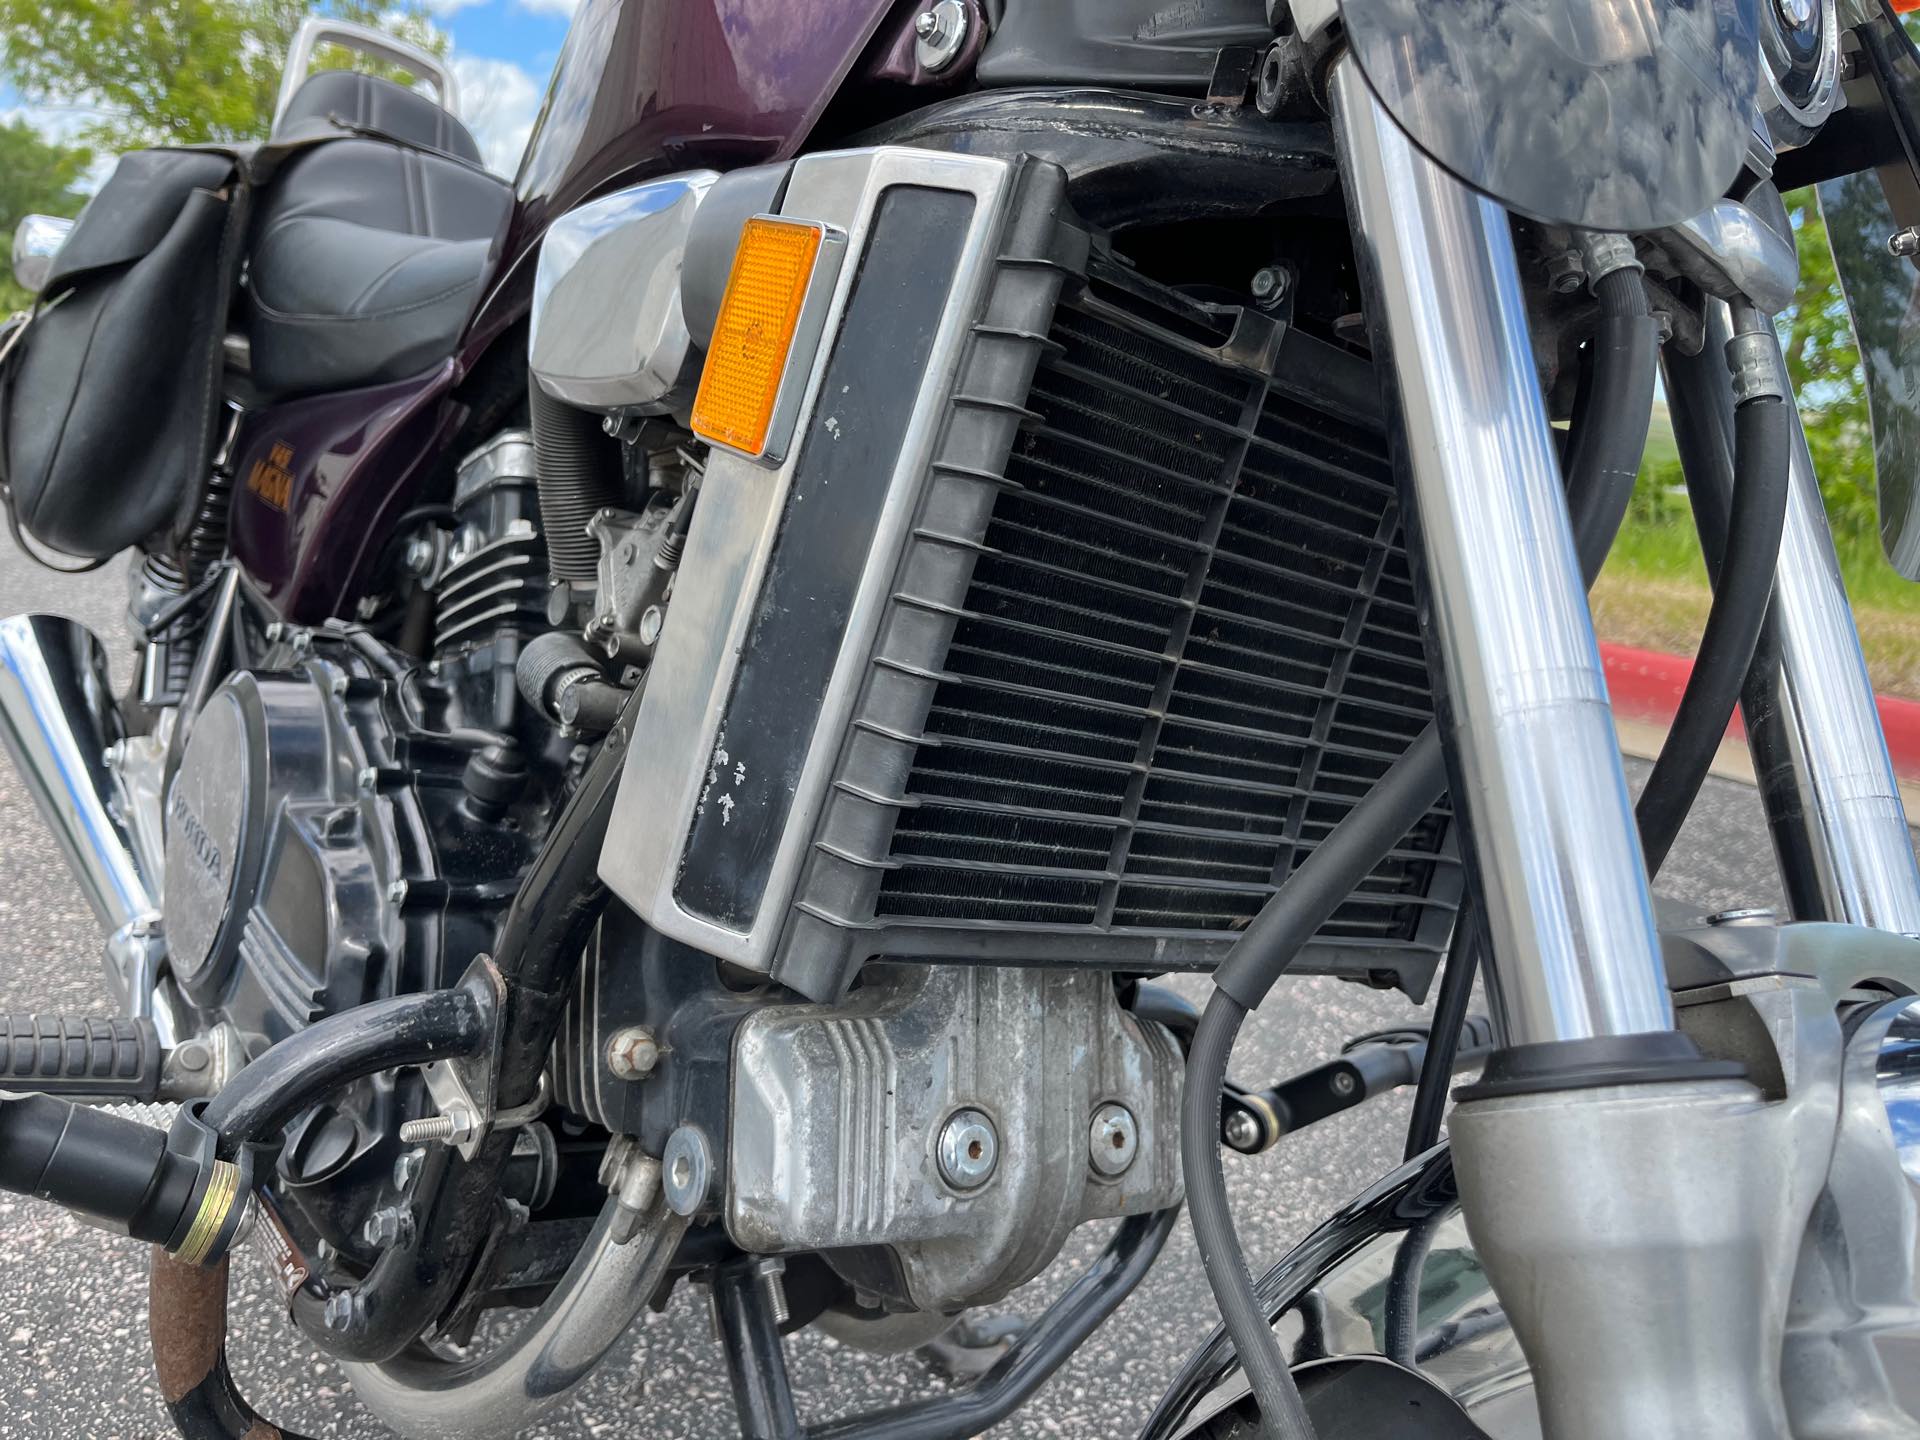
pixel 683 702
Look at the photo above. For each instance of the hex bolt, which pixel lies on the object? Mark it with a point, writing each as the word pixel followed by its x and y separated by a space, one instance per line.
pixel 632 1053
pixel 770 1273
pixel 423 1132
pixel 1269 286
pixel 1112 1140
pixel 388 1226
pixel 343 1308
pixel 1242 1130
pixel 1566 272
pixel 969 1149
pixel 1904 243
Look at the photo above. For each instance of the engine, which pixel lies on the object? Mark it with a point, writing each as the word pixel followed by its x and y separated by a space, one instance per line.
pixel 348 824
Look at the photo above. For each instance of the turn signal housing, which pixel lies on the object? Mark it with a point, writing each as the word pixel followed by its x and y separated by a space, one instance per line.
pixel 761 316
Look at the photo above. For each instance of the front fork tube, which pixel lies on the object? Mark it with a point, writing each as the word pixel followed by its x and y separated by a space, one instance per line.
pixel 1622 1200
pixel 1819 753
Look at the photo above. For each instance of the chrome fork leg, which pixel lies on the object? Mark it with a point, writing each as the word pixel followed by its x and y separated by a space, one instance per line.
pixel 1622 1199
pixel 1818 750
pixel 1535 764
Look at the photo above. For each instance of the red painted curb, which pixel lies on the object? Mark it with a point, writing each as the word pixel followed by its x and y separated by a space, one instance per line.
pixel 1646 685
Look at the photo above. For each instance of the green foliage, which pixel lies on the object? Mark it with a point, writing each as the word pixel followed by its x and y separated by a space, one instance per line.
pixel 36 177
pixel 1824 364
pixel 175 70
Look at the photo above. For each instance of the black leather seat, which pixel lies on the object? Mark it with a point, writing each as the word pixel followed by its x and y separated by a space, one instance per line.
pixel 368 251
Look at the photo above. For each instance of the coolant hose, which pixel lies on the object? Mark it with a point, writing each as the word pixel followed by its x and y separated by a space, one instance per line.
pixel 1610 434
pixel 579 470
pixel 1762 448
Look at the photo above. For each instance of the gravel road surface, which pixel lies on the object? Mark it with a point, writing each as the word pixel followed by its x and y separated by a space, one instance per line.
pixel 73 1351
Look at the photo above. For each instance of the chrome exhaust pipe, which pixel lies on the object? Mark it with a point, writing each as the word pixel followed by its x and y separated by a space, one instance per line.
pixel 57 718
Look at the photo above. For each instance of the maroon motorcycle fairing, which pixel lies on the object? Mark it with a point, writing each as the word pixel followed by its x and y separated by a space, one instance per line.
pixel 642 88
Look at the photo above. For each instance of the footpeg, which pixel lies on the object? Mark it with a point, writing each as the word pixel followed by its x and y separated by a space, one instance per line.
pixel 82 1056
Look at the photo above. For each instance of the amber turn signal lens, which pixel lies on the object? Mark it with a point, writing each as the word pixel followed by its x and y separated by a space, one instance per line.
pixel 754 331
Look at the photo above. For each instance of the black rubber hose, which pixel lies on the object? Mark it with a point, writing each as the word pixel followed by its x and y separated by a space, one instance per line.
pixel 1443 1038
pixel 579 469
pixel 1610 424
pixel 1301 906
pixel 1610 437
pixel 290 1077
pixel 1762 448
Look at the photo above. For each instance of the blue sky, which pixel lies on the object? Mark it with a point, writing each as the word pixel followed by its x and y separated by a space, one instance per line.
pixel 502 52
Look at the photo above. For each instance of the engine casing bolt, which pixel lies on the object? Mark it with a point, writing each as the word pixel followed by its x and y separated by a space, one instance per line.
pixel 388 1226
pixel 969 1149
pixel 343 1308
pixel 632 1053
pixel 1113 1139
pixel 770 1273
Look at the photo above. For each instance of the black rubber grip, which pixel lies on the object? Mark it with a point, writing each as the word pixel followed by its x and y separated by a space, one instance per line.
pixel 114 1059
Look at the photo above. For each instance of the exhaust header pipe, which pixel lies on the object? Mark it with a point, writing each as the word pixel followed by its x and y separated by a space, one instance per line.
pixel 57 718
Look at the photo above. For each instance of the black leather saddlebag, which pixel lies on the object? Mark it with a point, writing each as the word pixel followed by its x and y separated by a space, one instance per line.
pixel 109 400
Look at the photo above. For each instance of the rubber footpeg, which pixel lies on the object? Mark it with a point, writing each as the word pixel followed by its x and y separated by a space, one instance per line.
pixel 107 1059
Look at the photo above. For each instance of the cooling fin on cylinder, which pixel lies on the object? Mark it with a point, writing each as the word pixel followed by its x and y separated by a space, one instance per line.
pixel 1079 615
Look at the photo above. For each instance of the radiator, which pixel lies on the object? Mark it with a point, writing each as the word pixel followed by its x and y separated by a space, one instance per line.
pixel 1133 630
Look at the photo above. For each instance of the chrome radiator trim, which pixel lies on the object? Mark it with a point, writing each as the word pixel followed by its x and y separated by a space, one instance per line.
pixel 675 753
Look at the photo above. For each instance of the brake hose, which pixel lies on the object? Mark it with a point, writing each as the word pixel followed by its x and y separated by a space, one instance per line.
pixel 1609 438
pixel 1756 514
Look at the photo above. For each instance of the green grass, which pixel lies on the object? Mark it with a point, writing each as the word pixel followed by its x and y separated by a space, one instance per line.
pixel 1653 593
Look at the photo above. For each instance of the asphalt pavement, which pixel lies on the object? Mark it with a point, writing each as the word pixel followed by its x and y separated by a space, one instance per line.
pixel 73 1349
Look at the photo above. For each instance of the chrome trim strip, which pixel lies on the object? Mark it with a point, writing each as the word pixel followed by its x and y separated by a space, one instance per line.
pixel 728 546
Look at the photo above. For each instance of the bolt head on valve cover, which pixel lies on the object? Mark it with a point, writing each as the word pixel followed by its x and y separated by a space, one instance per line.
pixel 1113 1139
pixel 969 1149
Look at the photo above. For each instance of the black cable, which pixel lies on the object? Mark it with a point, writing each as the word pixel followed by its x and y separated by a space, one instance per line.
pixel 1611 434
pixel 1762 447
pixel 1287 921
pixel 1443 1042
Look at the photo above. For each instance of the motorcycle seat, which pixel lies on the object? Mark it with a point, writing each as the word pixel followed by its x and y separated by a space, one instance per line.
pixel 368 251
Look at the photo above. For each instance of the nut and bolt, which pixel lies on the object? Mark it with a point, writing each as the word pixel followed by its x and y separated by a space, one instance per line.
pixel 419 556
pixel 940 31
pixel 632 1053
pixel 1112 1140
pixel 343 1308
pixel 1269 286
pixel 769 1273
pixel 388 1226
pixel 1566 272
pixel 406 1168
pixel 1242 1130
pixel 453 1126
pixel 1904 243
pixel 969 1149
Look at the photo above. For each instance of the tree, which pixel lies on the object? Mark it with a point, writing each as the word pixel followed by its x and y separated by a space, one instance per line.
pixel 37 176
pixel 1824 364
pixel 175 70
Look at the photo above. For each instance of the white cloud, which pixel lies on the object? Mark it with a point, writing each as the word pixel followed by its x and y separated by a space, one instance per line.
pixel 550 7
pixel 498 102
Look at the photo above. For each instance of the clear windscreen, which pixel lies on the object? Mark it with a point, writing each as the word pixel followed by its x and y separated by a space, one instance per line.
pixel 1605 114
